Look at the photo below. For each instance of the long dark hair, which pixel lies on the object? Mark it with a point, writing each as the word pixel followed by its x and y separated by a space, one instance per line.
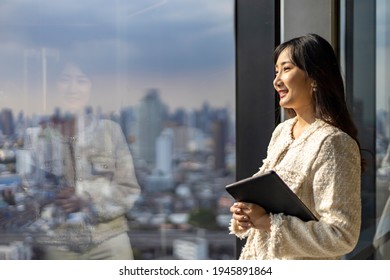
pixel 316 57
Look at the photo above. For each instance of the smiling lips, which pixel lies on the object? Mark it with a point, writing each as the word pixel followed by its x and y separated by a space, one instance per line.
pixel 282 93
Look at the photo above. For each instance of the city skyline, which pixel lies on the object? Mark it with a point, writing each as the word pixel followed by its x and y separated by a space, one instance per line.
pixel 117 111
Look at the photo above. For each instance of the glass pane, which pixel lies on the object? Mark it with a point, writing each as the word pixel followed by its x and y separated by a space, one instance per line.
pixel 382 236
pixel 93 91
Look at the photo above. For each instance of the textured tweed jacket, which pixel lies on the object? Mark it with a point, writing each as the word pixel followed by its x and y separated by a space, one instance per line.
pixel 322 167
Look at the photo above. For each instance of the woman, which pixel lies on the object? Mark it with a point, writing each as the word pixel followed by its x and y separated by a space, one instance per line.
pixel 88 161
pixel 316 152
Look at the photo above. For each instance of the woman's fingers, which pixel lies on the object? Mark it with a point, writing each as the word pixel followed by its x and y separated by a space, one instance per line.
pixel 242 205
pixel 249 215
pixel 244 225
pixel 69 204
pixel 241 218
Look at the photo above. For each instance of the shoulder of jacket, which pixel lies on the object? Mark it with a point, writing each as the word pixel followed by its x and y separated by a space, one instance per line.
pixel 331 134
pixel 287 124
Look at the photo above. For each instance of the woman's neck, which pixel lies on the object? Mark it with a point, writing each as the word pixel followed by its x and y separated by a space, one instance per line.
pixel 302 123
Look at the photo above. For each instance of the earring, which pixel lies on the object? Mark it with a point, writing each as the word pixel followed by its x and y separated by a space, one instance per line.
pixel 314 86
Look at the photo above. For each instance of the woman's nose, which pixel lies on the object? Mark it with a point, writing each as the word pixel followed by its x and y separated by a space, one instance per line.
pixel 277 81
pixel 72 86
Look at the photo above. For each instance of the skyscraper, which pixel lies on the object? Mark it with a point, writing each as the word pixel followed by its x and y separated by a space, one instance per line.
pixel 150 123
pixel 7 122
pixel 164 151
pixel 219 137
pixel 126 121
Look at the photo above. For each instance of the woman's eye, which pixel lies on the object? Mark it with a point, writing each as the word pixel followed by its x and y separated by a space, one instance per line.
pixel 286 68
pixel 83 81
pixel 64 79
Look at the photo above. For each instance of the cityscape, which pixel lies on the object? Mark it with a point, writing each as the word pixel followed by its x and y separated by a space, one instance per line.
pixel 183 159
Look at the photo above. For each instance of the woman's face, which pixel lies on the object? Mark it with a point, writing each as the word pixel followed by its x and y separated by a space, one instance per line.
pixel 292 84
pixel 75 88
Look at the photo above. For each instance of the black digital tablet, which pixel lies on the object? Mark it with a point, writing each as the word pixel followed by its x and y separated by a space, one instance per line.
pixel 270 192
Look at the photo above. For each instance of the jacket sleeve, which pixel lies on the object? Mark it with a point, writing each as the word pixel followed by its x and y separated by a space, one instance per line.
pixel 233 228
pixel 335 176
pixel 109 198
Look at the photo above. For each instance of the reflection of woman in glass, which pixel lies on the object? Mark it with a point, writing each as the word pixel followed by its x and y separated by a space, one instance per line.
pixel 75 88
pixel 94 176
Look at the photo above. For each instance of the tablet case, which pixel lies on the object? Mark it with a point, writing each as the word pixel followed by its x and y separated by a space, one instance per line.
pixel 270 192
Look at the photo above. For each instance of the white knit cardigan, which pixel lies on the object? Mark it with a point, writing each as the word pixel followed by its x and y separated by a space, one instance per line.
pixel 322 167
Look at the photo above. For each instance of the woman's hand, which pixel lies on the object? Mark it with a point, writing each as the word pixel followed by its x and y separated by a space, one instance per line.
pixel 68 200
pixel 250 215
pixel 8 196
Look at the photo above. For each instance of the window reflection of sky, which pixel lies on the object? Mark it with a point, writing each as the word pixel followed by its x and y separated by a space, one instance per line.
pixel 381 239
pixel 184 48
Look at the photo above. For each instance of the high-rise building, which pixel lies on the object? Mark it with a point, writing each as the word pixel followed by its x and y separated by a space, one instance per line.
pixel 164 151
pixel 150 122
pixel 7 122
pixel 127 120
pixel 219 137
pixel 23 162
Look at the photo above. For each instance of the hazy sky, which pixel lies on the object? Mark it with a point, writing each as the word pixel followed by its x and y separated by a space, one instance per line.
pixel 185 48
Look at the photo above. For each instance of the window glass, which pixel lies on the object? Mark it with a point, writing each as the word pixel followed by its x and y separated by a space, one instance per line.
pixel 382 236
pixel 164 72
